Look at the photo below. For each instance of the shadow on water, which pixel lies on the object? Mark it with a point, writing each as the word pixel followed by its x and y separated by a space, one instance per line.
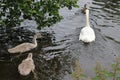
pixel 49 57
pixel 57 51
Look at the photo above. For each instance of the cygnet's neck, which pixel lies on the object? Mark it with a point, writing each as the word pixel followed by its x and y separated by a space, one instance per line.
pixel 87 18
pixel 34 40
pixel 29 55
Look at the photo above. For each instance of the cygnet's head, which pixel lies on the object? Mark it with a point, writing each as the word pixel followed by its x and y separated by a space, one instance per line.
pixel 38 35
pixel 29 55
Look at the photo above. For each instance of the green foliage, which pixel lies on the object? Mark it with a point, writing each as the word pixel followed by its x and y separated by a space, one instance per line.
pixel 101 73
pixel 78 73
pixel 44 12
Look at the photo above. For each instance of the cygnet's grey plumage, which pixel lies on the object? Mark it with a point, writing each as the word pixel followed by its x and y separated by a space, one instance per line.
pixel 25 46
pixel 26 66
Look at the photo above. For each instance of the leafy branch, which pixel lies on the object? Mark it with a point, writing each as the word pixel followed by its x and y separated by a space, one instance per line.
pixel 44 12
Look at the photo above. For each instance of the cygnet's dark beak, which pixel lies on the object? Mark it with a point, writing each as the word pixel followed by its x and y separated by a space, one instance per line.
pixel 39 35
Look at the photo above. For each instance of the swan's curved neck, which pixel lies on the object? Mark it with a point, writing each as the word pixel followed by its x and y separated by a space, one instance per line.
pixel 87 18
pixel 34 40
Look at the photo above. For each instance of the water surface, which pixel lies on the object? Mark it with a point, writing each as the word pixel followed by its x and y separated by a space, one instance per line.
pixel 56 53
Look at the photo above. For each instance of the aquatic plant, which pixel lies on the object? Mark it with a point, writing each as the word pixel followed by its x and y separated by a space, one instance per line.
pixel 101 73
pixel 78 73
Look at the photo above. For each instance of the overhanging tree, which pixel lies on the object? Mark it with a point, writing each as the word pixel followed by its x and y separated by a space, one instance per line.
pixel 44 12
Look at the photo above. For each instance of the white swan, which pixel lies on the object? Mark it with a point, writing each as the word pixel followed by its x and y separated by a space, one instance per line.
pixel 87 34
pixel 25 46
pixel 26 66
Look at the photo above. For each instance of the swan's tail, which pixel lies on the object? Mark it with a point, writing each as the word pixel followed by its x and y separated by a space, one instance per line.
pixel 79 37
pixel 13 50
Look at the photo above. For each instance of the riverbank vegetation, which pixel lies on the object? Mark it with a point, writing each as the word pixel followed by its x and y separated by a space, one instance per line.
pixel 100 72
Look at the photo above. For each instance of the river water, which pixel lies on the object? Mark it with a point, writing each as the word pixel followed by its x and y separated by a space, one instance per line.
pixel 56 53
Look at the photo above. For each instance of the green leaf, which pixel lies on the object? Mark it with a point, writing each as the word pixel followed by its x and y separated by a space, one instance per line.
pixel 77 6
pixel 110 74
pixel 118 78
pixel 118 69
pixel 96 78
pixel 113 65
pixel 83 75
pixel 73 74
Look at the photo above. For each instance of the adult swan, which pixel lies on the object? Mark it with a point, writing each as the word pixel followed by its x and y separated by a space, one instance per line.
pixel 87 34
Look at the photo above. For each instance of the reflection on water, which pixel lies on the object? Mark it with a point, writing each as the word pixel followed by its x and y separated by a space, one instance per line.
pixel 109 10
pixel 49 57
pixel 106 14
pixel 55 54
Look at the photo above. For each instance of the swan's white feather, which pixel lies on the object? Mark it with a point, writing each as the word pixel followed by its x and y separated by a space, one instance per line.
pixel 87 35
